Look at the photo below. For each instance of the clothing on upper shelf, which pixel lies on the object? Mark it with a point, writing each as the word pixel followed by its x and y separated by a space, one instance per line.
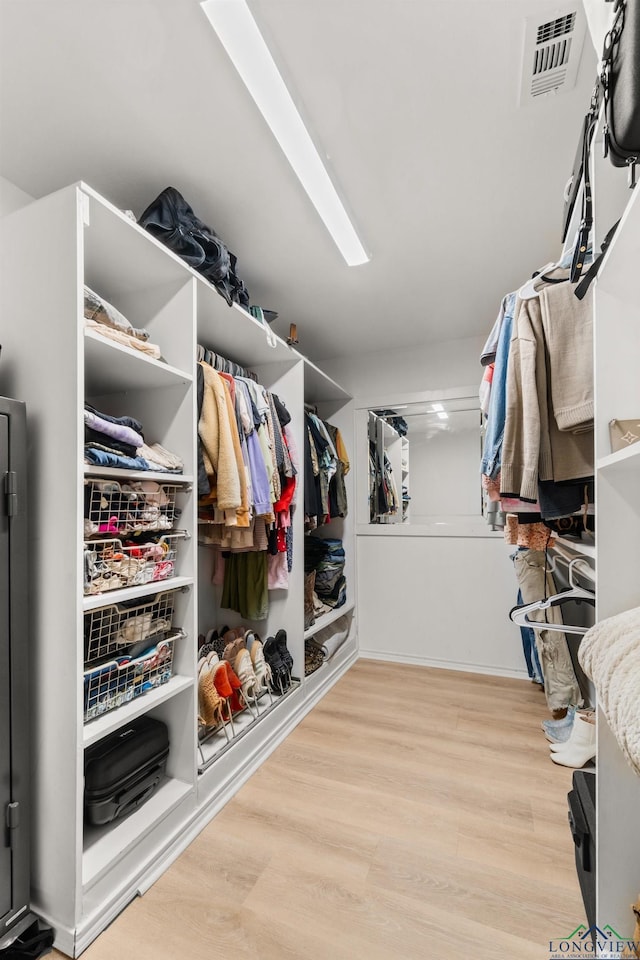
pixel 119 442
pixel 100 311
pixel 125 339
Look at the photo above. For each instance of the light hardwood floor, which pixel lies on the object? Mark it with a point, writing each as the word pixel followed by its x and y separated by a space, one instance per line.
pixel 413 814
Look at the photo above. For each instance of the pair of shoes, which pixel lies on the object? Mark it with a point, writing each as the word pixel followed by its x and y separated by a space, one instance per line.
pixel 211 701
pixel 580 747
pixel 557 731
pixel 261 668
pixel 280 661
pixel 313 658
pixel 210 643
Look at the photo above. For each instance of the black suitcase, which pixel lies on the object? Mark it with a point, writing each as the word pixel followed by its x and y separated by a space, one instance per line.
pixel 582 820
pixel 124 769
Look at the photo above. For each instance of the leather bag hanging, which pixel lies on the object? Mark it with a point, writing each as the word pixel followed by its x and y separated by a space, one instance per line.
pixel 172 221
pixel 620 80
pixel 618 86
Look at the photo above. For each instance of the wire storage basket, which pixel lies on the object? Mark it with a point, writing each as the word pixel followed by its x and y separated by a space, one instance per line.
pixel 108 685
pixel 126 626
pixel 113 508
pixel 112 565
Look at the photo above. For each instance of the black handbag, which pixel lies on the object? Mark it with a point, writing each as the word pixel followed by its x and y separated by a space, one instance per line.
pixel 621 87
pixel 618 86
pixel 172 221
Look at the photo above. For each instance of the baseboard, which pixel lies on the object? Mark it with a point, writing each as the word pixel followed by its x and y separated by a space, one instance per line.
pixel 93 925
pixel 481 668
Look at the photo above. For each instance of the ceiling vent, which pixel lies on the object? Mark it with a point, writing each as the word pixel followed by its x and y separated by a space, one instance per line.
pixel 552 51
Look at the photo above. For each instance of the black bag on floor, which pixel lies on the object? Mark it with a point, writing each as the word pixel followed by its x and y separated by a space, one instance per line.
pixel 582 823
pixel 621 83
pixel 124 769
pixel 172 221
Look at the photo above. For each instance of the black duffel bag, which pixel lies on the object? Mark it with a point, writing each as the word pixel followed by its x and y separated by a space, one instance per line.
pixel 172 221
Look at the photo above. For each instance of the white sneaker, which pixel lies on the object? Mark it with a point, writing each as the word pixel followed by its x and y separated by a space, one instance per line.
pixel 581 746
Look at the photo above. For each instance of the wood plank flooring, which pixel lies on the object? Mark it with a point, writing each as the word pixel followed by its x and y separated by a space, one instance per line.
pixel 413 814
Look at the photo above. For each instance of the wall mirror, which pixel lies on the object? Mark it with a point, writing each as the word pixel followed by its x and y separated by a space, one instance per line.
pixel 423 464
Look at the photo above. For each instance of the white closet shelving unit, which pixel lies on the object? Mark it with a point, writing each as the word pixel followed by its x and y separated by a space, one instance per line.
pixel 84 876
pixel 617 385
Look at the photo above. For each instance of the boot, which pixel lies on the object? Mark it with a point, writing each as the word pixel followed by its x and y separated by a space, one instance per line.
pixel 581 745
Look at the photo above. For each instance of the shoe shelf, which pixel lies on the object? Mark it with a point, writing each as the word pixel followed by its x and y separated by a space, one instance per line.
pixel 215 744
pixel 104 845
pixel 111 367
pixel 328 618
pixel 331 670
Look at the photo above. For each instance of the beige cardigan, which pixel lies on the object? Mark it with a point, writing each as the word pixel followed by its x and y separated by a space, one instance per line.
pixel 549 393
pixel 221 450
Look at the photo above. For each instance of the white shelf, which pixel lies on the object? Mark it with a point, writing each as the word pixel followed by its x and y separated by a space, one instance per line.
pixel 586 549
pixel 329 618
pixel 318 387
pixel 96 729
pixel 110 367
pixel 115 473
pixel 97 600
pixel 218 330
pixel 105 844
pixel 628 459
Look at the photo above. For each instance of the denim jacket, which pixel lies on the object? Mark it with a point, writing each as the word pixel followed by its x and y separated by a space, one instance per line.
pixel 492 455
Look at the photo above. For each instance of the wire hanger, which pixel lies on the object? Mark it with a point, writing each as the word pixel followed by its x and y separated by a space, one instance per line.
pixel 519 613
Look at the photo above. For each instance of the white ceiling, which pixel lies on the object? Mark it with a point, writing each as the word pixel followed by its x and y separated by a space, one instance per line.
pixel 455 190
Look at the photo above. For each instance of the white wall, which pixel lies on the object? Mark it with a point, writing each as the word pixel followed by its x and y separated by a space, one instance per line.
pixel 11 197
pixel 440 601
pixel 432 366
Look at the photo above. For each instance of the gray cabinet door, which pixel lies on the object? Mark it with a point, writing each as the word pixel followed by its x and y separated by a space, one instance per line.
pixel 5 703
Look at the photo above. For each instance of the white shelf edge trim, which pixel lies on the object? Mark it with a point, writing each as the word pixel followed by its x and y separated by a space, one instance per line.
pixel 328 618
pixel 97 600
pixel 111 841
pixel 620 456
pixel 116 473
pixel 96 729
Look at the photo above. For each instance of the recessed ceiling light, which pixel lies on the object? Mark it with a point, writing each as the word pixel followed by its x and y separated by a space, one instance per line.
pixel 437 407
pixel 239 34
pixel 442 415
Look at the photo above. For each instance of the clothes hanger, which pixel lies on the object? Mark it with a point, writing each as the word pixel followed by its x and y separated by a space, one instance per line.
pixel 528 290
pixel 519 613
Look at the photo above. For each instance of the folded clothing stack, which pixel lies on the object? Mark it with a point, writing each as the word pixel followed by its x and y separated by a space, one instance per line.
pixel 119 442
pixel 103 317
pixel 326 557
